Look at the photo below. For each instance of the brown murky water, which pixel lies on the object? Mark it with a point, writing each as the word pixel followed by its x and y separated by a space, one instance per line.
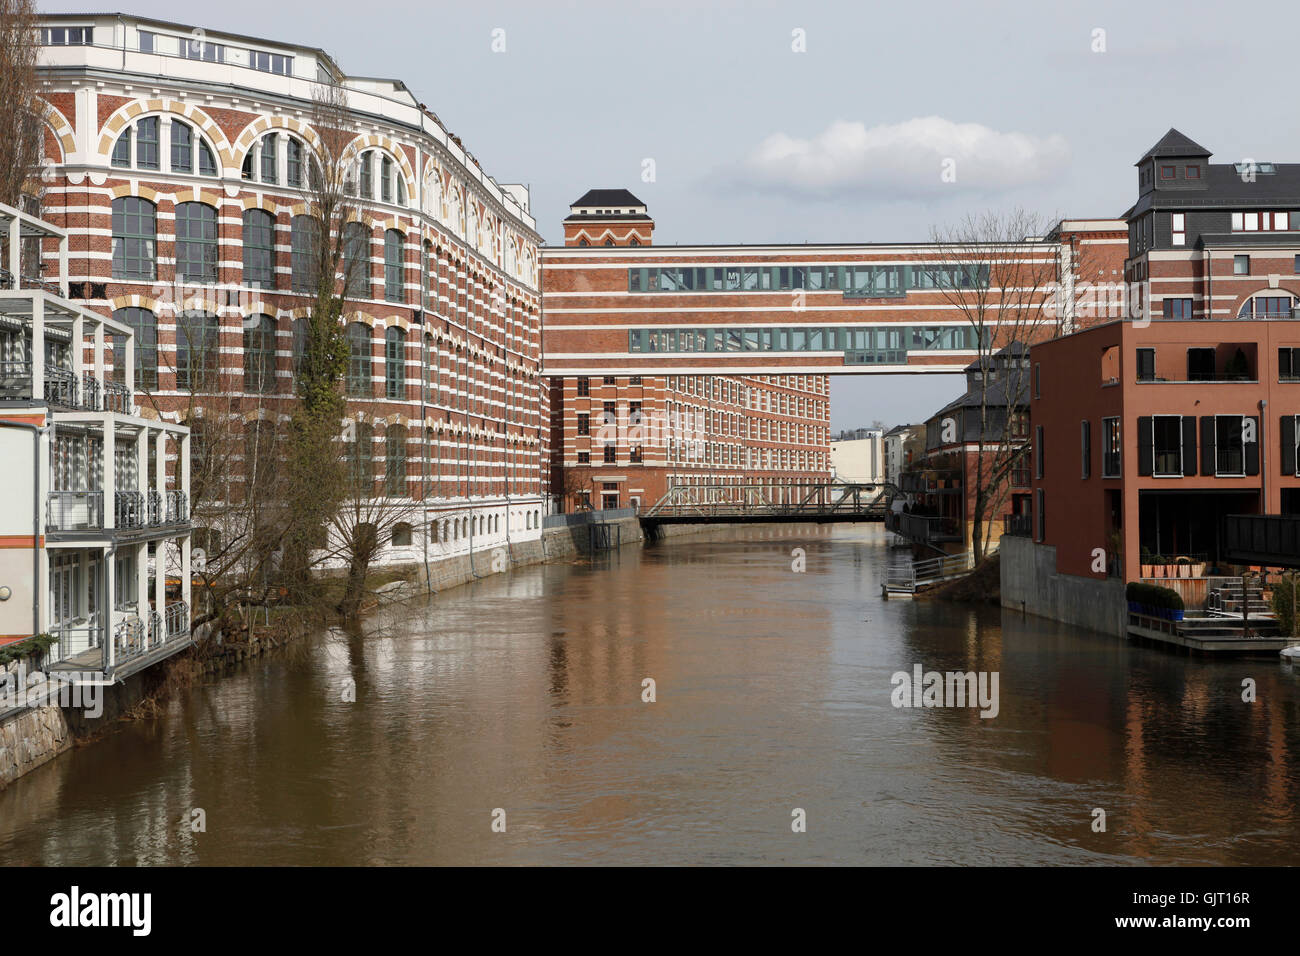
pixel 773 693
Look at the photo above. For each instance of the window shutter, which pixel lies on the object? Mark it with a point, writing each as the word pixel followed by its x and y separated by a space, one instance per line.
pixel 1189 445
pixel 1288 445
pixel 1207 445
pixel 1146 446
pixel 1252 450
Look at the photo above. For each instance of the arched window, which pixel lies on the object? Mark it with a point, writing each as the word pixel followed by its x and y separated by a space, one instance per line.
pixel 356 260
pixel 259 249
pixel 135 231
pixel 196 242
pixel 145 325
pixel 395 461
pixel 426 280
pixel 358 383
pixel 259 353
pixel 401 535
pixel 377 164
pixel 303 241
pixel 394 267
pixel 141 146
pixel 196 351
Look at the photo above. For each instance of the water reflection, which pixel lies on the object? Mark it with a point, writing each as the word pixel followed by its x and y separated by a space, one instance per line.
pixel 773 692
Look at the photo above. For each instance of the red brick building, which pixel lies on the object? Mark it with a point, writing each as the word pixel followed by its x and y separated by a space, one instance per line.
pixel 1148 432
pixel 178 165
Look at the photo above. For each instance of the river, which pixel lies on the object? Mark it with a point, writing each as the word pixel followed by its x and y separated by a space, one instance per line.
pixel 517 700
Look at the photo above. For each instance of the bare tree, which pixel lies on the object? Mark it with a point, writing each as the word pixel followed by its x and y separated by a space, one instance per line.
pixel 998 274
pixel 22 110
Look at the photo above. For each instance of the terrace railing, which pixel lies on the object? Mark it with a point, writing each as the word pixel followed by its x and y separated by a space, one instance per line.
pixel 74 511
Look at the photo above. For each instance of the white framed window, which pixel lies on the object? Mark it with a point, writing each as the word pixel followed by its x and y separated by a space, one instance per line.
pixel 1179 229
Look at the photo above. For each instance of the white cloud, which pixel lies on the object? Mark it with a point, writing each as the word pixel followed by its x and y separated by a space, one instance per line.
pixel 906 159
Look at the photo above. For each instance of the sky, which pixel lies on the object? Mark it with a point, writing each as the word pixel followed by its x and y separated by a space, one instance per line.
pixel 814 121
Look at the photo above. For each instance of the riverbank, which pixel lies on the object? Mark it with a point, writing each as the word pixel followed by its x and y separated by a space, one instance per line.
pixel 38 732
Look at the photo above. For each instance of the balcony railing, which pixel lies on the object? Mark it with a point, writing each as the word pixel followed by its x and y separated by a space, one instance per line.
pixel 117 398
pixel 1020 526
pixel 74 511
pixel 129 639
pixel 177 619
pixel 15 380
pixel 129 509
pixel 61 387
pixel 178 507
pixel 75 638
pixel 90 392
pixel 924 529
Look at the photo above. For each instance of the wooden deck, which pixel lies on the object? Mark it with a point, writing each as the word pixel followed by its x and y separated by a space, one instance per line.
pixel 1211 634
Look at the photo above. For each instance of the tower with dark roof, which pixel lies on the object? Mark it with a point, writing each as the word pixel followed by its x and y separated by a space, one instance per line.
pixel 608 217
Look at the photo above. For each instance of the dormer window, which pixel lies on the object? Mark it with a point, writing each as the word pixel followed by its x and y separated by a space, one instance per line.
pixel 1168 172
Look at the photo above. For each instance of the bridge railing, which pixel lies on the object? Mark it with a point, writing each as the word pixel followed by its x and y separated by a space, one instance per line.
pixel 792 499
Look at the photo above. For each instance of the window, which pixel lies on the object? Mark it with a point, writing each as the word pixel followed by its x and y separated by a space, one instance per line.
pixel 394 281
pixel 1229 446
pixel 182 147
pixel 1167 445
pixel 1146 364
pixel 1085 449
pixel 303 241
pixel 636 379
pixel 367 176
pixel 1111 448
pixel 145 41
pixel 394 363
pixel 203 50
pixel 1266 307
pixel 1241 265
pixel 293 162
pixel 609 413
pixel 1178 226
pixel 584 387
pixel 584 424
pixel 359 451
pixel 356 260
pixel 386 179
pixel 1193 172
pixel 259 353
pixel 609 380
pixel 259 249
pixel 1168 172
pixel 610 454
pixel 271 62
pixel 196 351
pixel 196 242
pixel 584 457
pixel 1200 365
pixel 145 325
pixel 395 461
pixel 1038 381
pixel 402 535
pixel 1040 515
pixel 268 164
pixel 134 234
pixel 1177 308
pixel 358 382
pixel 146 143
pixel 66 36
pixel 1288 364
pixel 1039 458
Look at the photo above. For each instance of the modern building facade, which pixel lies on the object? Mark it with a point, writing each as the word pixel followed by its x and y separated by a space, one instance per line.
pixel 95 543
pixel 178 165
pixel 1149 432
pixel 858 457
pixel 902 445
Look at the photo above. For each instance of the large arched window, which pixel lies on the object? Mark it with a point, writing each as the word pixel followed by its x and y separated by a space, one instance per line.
pixel 196 351
pixel 141 146
pixel 135 231
pixel 356 260
pixel 145 325
pixel 259 353
pixel 259 249
pixel 394 363
pixel 394 267
pixel 1267 305
pixel 395 461
pixel 196 242
pixel 358 382
pixel 303 240
pixel 277 157
pixel 379 176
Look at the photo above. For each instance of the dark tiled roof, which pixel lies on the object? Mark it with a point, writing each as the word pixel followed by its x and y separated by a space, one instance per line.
pixel 583 217
pixel 1226 188
pixel 607 197
pixel 1174 143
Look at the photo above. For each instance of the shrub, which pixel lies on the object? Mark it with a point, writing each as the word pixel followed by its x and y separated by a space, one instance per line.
pixel 1281 602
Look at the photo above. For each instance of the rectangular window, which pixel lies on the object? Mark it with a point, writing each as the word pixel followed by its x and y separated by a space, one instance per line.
pixel 1241 265
pixel 1229 446
pixel 1288 364
pixel 1039 452
pixel 584 387
pixel 1110 459
pixel 1040 515
pixel 1146 364
pixel 146 143
pixel 1200 365
pixel 203 50
pixel 1038 381
pixel 271 62
pixel 270 166
pixel 66 36
pixel 1178 229
pixel 182 147
pixel 146 41
pixel 584 423
pixel 1168 172
pixel 610 454
pixel 1177 308
pixel 1085 449
pixel 1167 446
pixel 584 457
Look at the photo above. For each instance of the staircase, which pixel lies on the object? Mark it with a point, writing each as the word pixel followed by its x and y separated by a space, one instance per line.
pixel 1228 601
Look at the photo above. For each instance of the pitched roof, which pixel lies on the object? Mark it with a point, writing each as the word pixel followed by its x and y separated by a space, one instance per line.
pixel 607 197
pixel 1174 143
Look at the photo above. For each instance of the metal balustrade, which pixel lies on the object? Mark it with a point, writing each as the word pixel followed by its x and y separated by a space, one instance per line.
pixel 154 507
pixel 178 620
pixel 129 639
pixel 15 380
pixel 75 638
pixel 74 511
pixel 90 392
pixel 129 509
pixel 117 398
pixel 178 507
pixel 61 387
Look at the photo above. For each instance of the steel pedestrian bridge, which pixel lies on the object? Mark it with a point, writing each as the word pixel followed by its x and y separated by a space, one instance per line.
pixel 769 503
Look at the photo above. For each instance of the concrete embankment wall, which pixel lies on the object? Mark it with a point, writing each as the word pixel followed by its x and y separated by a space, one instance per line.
pixel 1030 582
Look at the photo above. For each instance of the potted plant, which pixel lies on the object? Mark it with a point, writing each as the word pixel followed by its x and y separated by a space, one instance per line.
pixel 1147 569
pixel 1184 566
pixel 1159 566
pixel 1198 569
